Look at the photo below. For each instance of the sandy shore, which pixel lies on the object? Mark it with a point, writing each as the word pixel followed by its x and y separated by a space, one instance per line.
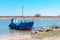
pixel 28 37
pixel 20 37
pixel 52 38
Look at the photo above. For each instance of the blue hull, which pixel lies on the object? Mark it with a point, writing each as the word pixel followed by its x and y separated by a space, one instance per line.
pixel 23 25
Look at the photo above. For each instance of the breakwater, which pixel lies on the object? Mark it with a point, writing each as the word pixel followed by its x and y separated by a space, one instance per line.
pixel 32 17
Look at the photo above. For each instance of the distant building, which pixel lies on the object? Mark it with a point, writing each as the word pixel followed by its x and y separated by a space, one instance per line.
pixel 37 15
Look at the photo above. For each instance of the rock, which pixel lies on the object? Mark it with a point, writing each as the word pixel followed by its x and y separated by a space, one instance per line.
pixel 34 32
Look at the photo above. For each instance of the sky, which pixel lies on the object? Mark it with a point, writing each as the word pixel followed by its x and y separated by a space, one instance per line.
pixel 31 7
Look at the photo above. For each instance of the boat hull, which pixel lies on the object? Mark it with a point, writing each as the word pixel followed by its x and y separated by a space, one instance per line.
pixel 22 26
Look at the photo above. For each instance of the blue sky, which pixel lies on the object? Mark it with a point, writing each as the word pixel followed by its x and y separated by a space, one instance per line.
pixel 31 7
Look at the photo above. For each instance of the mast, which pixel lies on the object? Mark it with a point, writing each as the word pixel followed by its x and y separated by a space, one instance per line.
pixel 23 12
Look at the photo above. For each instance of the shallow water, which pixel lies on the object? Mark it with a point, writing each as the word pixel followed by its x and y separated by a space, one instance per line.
pixel 5 30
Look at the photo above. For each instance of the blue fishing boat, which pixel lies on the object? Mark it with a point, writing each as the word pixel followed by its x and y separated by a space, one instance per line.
pixel 23 24
pixel 20 25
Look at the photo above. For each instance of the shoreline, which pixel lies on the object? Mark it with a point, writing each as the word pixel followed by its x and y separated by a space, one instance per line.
pixel 28 37
pixel 31 17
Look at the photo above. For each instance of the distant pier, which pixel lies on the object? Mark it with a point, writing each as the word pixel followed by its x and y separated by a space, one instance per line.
pixel 32 17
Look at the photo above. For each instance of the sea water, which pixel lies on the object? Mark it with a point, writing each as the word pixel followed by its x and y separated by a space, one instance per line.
pixel 5 29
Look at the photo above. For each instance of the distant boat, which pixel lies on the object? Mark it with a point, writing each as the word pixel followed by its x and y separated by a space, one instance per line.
pixel 22 24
